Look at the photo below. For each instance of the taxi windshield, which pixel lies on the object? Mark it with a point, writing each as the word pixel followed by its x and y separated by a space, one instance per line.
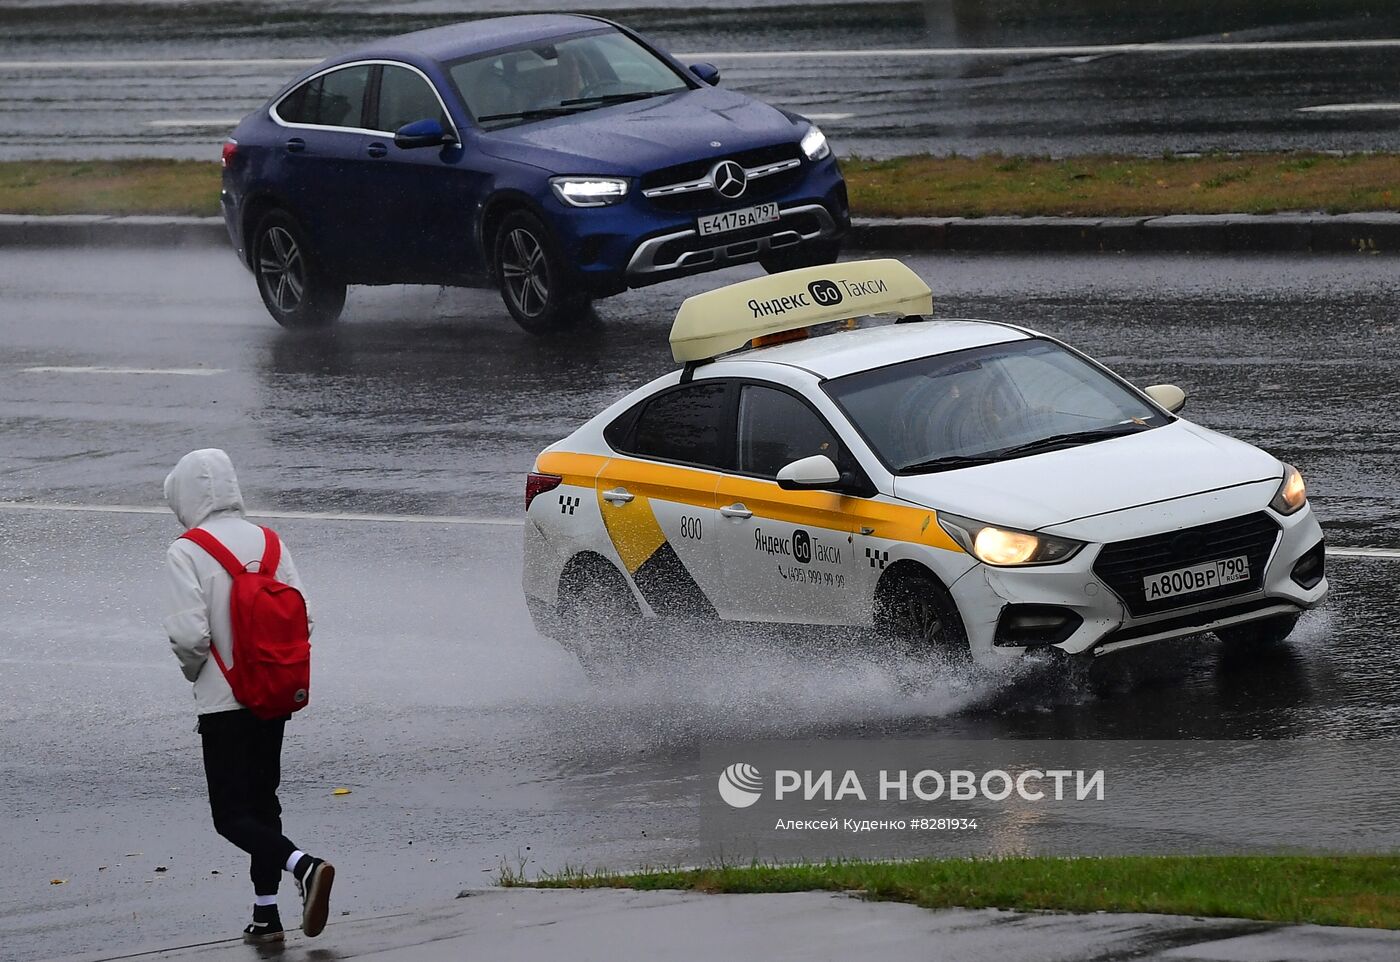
pixel 987 404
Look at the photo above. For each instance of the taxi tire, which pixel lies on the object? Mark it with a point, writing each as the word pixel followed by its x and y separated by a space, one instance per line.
pixel 918 616
pixel 599 619
pixel 523 242
pixel 1267 633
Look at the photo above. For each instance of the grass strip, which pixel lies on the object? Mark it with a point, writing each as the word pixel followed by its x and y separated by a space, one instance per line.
pixel 1352 890
pixel 920 186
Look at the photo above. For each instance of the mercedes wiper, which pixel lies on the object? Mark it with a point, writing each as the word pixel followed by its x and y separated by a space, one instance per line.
pixel 606 99
pixel 534 114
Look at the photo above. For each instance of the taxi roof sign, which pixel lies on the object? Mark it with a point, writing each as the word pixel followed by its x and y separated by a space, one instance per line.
pixel 724 320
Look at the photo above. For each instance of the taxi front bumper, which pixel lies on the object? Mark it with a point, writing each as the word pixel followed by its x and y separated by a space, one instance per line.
pixel 1073 608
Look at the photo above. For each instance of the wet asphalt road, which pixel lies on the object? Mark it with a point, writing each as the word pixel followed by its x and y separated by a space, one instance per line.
pixel 963 99
pixel 468 741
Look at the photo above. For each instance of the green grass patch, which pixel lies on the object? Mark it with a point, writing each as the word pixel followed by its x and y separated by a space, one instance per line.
pixel 110 187
pixel 1122 186
pixel 1354 890
pixel 921 186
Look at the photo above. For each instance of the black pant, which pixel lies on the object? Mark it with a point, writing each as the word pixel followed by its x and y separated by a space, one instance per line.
pixel 243 764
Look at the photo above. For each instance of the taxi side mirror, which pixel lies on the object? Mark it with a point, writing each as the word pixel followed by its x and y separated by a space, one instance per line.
pixel 807 474
pixel 1169 396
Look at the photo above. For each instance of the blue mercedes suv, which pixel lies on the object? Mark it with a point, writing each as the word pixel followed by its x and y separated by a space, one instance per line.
pixel 560 158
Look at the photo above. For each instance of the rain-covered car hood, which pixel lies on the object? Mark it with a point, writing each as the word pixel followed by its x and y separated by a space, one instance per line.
pixel 634 138
pixel 1174 461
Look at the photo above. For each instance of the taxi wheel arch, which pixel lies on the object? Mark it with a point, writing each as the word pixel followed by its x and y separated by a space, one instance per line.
pixel 908 598
pixel 598 615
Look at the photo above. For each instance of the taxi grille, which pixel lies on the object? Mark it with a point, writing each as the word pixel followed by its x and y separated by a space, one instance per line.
pixel 1123 564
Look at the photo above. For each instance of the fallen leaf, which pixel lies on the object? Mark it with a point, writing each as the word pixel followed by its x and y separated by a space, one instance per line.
pixel 341 791
pixel 57 881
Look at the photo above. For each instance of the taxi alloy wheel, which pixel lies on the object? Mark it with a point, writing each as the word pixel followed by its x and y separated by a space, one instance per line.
pixel 918 615
pixel 537 287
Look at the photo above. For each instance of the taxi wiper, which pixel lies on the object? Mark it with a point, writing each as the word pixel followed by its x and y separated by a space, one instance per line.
pixel 950 462
pixel 606 99
pixel 953 461
pixel 1073 439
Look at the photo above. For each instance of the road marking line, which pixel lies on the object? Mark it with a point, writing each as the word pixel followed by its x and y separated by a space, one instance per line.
pixel 179 371
pixel 195 122
pixel 279 515
pixel 1084 50
pixel 1383 554
pixel 1347 108
pixel 1386 554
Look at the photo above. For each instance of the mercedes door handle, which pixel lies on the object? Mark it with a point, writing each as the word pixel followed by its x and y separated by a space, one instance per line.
pixel 735 510
pixel 296 145
pixel 376 150
pixel 617 497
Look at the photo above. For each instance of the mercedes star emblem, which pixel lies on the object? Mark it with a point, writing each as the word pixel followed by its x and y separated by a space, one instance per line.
pixel 729 179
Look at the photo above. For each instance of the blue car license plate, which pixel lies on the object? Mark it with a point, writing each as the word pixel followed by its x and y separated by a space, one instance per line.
pixel 736 219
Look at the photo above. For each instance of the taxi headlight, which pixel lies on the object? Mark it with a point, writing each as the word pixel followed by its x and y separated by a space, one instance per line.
pixel 589 191
pixel 1007 547
pixel 814 144
pixel 1292 492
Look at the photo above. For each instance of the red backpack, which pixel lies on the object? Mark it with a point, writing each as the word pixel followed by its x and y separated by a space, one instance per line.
pixel 271 673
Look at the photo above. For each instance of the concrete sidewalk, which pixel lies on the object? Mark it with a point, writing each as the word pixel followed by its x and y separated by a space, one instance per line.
pixel 1368 232
pixel 616 926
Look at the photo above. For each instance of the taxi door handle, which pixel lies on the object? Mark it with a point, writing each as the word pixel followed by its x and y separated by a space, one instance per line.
pixel 617 497
pixel 735 510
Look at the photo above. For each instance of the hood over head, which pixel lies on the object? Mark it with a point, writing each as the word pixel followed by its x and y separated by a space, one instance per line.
pixel 202 485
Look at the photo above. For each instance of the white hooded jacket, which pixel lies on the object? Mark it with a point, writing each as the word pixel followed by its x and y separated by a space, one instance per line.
pixel 203 492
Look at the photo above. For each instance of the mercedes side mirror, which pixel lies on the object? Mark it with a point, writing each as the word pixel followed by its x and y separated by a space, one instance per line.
pixel 422 133
pixel 1169 396
pixel 809 474
pixel 707 72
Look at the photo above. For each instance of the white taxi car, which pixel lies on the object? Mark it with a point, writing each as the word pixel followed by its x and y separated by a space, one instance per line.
pixel 968 485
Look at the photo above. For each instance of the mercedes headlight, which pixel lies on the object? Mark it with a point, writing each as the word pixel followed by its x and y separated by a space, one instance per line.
pixel 1007 547
pixel 814 144
pixel 1292 492
pixel 589 191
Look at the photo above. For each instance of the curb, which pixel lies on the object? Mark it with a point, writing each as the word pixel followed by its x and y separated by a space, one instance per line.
pixel 1205 233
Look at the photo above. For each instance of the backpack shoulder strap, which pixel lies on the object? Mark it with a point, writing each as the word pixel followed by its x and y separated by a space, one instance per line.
pixel 216 550
pixel 272 553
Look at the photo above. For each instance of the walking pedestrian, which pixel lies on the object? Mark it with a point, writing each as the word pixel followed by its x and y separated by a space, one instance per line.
pixel 239 626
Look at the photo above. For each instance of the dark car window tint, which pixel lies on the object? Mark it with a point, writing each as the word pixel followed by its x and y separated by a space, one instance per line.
pixel 775 429
pixel 405 97
pixel 335 99
pixel 686 425
pixel 299 106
